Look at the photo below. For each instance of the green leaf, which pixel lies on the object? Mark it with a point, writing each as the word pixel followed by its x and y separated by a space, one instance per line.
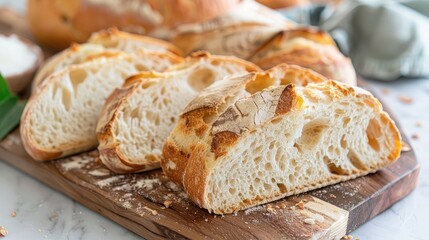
pixel 4 89
pixel 7 104
pixel 11 119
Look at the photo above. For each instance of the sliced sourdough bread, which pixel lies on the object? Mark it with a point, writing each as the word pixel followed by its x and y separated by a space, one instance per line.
pixel 60 117
pixel 253 139
pixel 137 119
pixel 107 40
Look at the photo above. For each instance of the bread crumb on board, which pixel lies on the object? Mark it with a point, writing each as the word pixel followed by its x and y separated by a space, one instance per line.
pixel 13 214
pixel 300 205
pixel 167 203
pixel 152 211
pixel 310 221
pixel 405 99
pixel 405 147
pixel 3 232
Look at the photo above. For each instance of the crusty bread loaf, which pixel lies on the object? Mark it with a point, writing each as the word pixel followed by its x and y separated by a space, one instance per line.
pixel 306 47
pixel 137 119
pixel 256 138
pixel 239 32
pixel 59 23
pixel 106 40
pixel 60 117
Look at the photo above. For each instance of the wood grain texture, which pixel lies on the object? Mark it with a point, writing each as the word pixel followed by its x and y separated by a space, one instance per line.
pixel 136 201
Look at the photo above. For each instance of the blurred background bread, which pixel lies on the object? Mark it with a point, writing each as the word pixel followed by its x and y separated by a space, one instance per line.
pixel 275 4
pixel 57 23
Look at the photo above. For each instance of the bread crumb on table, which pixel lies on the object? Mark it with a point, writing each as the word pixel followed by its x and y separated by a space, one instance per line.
pixel 419 123
pixel 405 99
pixel 3 231
pixel 385 91
pixel 332 195
pixel 270 209
pixel 415 136
pixel 13 214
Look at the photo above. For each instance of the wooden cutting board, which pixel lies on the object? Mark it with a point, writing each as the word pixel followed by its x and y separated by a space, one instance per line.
pixel 137 201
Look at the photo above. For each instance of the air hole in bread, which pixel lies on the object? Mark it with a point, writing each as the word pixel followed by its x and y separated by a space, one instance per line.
pixel 346 121
pixel 268 166
pixel 334 169
pixel 77 76
pixel 282 187
pixel 355 160
pixel 201 79
pixel 140 67
pixel 372 132
pixel 66 99
pixel 260 82
pixel 312 134
pixel 232 191
pixel 257 160
pixel 276 120
pixel 343 142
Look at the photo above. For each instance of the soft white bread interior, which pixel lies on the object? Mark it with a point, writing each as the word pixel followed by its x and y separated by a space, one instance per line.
pixel 254 139
pixel 137 118
pixel 106 40
pixel 60 118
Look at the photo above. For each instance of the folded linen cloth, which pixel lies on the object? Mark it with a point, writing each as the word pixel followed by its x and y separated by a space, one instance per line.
pixel 385 39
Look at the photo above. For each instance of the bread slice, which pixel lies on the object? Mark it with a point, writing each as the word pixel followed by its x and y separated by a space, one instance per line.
pixel 107 40
pixel 254 139
pixel 137 119
pixel 309 48
pixel 60 117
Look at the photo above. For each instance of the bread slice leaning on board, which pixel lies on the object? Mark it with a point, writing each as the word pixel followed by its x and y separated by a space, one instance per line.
pixel 257 138
pixel 61 115
pixel 106 40
pixel 137 118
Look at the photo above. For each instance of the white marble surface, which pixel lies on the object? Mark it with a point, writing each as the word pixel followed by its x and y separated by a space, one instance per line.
pixel 43 213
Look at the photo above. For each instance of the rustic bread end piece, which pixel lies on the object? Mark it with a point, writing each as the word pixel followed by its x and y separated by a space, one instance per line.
pixel 309 48
pixel 264 140
pixel 138 118
pixel 60 118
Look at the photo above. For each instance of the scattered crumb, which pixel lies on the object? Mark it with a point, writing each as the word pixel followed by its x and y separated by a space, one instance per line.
pixel 99 172
pixel 152 211
pixel 282 205
pixel 347 237
pixel 405 147
pixel 270 209
pixel 419 123
pixel 385 91
pixel 415 136
pixel 300 205
pixel 292 208
pixel 309 221
pixel 206 219
pixel 13 214
pixel 167 203
pixel 319 217
pixel 53 216
pixel 405 99
pixel 332 195
pixel 3 232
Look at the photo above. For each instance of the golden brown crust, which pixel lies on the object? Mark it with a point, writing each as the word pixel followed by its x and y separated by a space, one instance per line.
pixel 110 36
pixel 74 21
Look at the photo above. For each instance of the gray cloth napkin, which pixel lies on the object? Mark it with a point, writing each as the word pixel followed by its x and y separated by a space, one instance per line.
pixel 385 39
